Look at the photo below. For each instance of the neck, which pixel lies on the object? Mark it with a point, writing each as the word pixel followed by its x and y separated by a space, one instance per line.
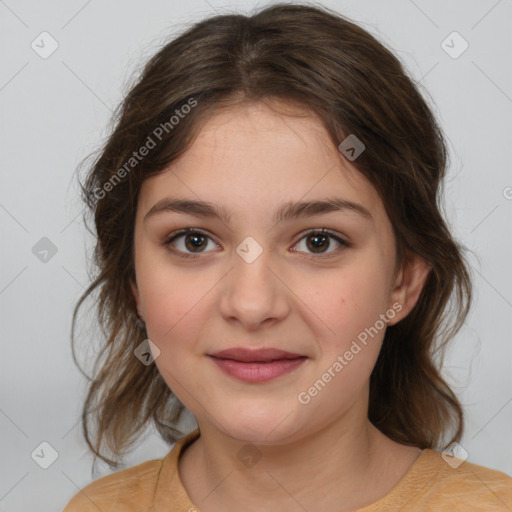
pixel 337 468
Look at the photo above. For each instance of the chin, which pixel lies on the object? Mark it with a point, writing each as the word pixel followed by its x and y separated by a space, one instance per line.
pixel 258 426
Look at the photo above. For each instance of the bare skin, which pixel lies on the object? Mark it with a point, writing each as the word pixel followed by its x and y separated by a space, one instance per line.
pixel 358 470
pixel 320 453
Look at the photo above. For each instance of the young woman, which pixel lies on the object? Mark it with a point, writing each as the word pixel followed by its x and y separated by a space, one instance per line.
pixel 271 256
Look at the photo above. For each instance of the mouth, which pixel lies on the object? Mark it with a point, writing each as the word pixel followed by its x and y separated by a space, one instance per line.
pixel 256 365
pixel 262 355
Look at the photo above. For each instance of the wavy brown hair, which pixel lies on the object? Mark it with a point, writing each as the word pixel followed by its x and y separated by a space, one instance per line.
pixel 315 58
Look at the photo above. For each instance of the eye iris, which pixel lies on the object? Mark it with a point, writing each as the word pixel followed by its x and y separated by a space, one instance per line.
pixel 317 243
pixel 196 244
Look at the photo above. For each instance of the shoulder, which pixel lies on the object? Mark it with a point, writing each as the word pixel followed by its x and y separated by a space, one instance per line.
pixel 126 490
pixel 140 488
pixel 460 484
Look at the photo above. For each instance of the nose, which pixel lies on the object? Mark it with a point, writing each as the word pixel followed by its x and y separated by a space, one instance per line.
pixel 253 293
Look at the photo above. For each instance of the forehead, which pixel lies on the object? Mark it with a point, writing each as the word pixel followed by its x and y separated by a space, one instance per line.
pixel 252 157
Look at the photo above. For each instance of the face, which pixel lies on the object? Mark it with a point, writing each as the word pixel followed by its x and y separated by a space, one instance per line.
pixel 250 280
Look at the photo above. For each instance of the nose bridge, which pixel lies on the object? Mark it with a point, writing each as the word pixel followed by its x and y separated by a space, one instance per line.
pixel 251 275
pixel 252 294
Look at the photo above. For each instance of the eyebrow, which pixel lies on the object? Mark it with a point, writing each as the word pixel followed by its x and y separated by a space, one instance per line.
pixel 287 211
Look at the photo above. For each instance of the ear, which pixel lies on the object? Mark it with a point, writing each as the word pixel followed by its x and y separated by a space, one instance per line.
pixel 136 295
pixel 408 285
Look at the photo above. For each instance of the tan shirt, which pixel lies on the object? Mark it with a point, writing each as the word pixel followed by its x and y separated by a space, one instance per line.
pixel 431 484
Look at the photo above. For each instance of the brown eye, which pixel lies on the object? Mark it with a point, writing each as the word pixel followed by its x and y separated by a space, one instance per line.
pixel 195 241
pixel 188 241
pixel 319 241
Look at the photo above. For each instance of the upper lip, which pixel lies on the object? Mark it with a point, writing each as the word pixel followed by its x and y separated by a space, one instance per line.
pixel 254 355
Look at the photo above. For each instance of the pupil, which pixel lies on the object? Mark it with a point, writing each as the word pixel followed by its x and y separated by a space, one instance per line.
pixel 316 238
pixel 196 244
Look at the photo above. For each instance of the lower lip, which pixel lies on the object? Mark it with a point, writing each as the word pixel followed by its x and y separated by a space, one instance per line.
pixel 257 372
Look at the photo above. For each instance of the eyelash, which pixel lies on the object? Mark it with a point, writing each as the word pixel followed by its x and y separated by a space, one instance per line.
pixel 173 236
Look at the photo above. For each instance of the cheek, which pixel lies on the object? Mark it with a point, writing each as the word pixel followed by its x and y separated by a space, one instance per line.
pixel 169 293
pixel 351 299
pixel 175 314
pixel 351 305
pixel 172 305
pixel 164 294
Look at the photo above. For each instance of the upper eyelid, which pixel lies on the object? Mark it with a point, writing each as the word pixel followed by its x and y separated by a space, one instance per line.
pixel 186 231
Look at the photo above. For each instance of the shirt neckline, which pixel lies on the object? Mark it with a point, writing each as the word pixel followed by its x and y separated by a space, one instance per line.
pixel 170 489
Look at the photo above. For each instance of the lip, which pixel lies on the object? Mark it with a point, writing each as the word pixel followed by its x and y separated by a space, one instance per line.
pixel 255 355
pixel 259 365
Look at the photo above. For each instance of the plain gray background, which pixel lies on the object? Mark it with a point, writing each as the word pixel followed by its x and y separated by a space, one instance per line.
pixel 56 110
